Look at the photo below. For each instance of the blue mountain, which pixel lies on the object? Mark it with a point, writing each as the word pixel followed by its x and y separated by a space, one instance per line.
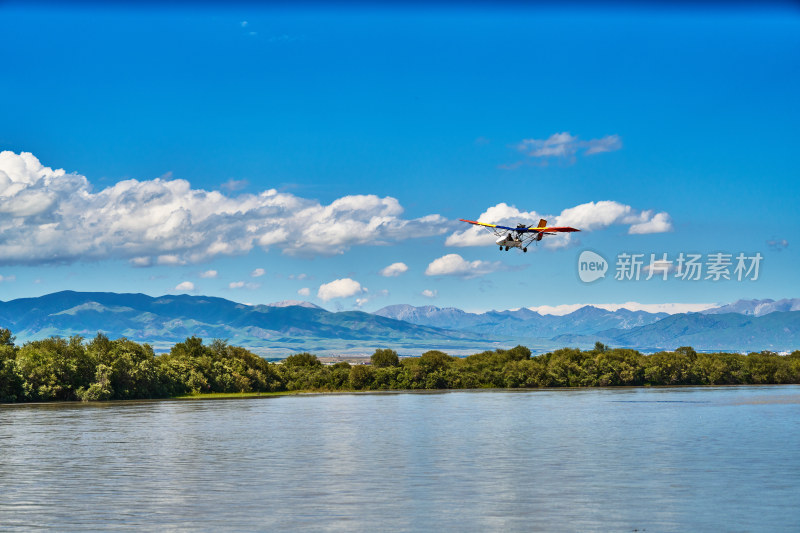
pixel 268 329
pixel 289 327
pixel 522 323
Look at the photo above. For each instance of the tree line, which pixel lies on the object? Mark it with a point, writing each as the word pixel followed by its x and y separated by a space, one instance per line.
pixel 57 369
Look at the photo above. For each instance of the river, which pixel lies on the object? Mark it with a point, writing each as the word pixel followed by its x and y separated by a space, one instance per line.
pixel 646 459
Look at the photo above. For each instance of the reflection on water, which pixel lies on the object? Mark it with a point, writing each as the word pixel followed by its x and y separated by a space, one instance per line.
pixel 700 459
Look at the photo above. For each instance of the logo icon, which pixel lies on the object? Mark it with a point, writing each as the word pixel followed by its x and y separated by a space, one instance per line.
pixel 591 266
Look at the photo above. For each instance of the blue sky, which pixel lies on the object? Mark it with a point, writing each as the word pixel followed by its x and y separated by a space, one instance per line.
pixel 376 130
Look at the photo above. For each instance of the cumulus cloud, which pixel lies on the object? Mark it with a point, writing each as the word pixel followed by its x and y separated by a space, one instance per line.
pixel 590 216
pixel 455 265
pixel 778 244
pixel 209 274
pixel 339 288
pixel 169 259
pixel 369 296
pixel 140 261
pixel 305 291
pixel 243 285
pixel 394 270
pixel 658 223
pixel 184 286
pixel 51 216
pixel 258 272
pixel 234 185
pixel 563 146
pixel 428 293
pixel 7 278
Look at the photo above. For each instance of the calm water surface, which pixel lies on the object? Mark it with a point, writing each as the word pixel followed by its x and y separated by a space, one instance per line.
pixel 689 459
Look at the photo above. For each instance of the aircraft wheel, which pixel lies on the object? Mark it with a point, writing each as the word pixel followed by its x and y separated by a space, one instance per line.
pixel 524 249
pixel 506 248
pixel 501 248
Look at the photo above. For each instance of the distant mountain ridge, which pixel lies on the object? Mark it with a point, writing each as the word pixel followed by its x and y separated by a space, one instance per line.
pixel 292 326
pixel 777 331
pixel 757 307
pixel 290 303
pixel 162 321
pixel 586 320
pixel 741 326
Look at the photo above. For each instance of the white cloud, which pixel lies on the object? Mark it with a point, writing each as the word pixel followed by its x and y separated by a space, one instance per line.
pixel 234 185
pixel 184 286
pixel 140 261
pixel 368 297
pixel 590 216
pixel 659 267
pixel 394 270
pixel 243 285
pixel 8 278
pixel 209 274
pixel 609 143
pixel 565 146
pixel 340 288
pixel 455 265
pixel 169 259
pixel 778 244
pixel 305 291
pixel 428 293
pixel 51 216
pixel 670 308
pixel 659 223
pixel 298 276
pixel 258 272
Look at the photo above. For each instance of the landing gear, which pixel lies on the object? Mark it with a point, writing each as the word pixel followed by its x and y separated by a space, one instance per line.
pixel 524 249
pixel 501 248
pixel 506 248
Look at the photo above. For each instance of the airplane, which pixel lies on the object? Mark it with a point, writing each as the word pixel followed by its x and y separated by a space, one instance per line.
pixel 521 236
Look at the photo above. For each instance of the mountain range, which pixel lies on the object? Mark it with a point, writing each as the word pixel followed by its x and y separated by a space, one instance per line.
pixel 757 307
pixel 501 324
pixel 293 326
pixel 744 325
pixel 282 328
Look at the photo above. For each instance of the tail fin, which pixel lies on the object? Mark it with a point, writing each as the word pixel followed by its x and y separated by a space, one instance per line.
pixel 542 223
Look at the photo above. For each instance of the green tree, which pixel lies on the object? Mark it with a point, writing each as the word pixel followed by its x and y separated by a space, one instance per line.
pixel 435 360
pixel 101 389
pixel 130 369
pixel 671 368
pixel 6 338
pixel 599 347
pixel 11 381
pixel 619 367
pixel 302 360
pixel 54 368
pixel 565 368
pixel 384 357
pixel 361 377
pixel 519 353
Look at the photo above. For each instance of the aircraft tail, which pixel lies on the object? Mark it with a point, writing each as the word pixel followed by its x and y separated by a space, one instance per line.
pixel 542 223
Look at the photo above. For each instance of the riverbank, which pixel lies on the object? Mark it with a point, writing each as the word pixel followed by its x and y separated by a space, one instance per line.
pixel 233 395
pixel 102 369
